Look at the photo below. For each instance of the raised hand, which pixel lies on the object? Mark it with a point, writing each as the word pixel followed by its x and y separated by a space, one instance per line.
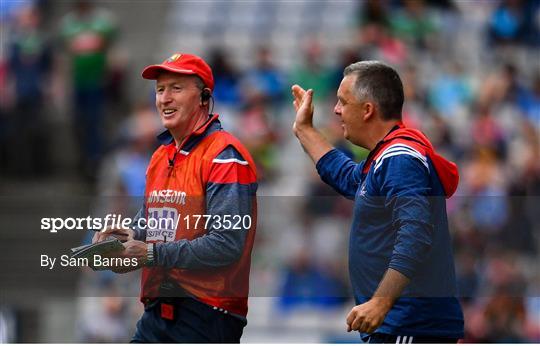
pixel 303 105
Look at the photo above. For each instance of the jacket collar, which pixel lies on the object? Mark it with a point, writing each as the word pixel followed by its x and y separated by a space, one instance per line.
pixel 373 152
pixel 398 126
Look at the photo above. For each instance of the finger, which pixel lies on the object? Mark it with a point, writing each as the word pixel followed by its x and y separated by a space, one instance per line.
pixel 104 232
pixel 357 323
pixel 297 89
pixel 116 231
pixel 374 325
pixel 121 237
pixel 371 329
pixel 351 316
pixel 127 247
pixel 364 326
pixel 121 234
pixel 296 105
pixel 98 236
pixel 298 92
pixel 307 100
pixel 130 234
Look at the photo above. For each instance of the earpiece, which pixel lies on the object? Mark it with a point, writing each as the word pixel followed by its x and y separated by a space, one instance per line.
pixel 206 95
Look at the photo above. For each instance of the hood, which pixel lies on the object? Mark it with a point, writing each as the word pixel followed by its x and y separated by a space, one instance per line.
pixel 446 170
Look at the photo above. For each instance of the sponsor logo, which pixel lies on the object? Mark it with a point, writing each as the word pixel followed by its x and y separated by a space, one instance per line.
pixel 162 224
pixel 167 196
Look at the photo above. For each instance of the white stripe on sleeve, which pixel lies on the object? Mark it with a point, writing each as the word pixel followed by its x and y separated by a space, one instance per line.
pixel 245 163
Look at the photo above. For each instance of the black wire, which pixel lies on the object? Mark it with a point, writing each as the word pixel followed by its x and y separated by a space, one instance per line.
pixel 212 108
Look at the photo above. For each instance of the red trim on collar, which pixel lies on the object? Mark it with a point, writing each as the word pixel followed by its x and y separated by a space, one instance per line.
pixel 399 125
pixel 378 147
pixel 172 151
pixel 203 128
pixel 199 131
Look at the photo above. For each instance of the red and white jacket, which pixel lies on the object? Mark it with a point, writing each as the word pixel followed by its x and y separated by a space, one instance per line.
pixel 203 195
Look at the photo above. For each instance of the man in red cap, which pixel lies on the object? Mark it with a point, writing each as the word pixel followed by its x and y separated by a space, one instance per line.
pixel 194 235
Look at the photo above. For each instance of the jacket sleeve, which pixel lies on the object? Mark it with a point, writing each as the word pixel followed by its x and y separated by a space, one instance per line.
pixel 340 172
pixel 138 224
pixel 404 181
pixel 230 192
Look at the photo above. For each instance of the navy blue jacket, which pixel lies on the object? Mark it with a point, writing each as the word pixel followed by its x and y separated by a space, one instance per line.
pixel 400 222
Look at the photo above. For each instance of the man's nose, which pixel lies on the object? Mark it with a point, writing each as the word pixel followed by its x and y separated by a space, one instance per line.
pixel 165 97
pixel 337 109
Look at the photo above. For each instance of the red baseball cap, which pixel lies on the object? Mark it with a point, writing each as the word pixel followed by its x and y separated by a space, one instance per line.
pixel 183 64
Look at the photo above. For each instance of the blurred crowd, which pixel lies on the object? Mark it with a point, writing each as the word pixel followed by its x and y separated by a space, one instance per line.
pixel 471 72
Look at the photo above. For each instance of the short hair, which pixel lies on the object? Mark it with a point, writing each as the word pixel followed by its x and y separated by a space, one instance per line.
pixel 380 83
pixel 199 82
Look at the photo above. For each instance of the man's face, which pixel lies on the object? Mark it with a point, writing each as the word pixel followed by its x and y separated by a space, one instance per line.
pixel 350 111
pixel 178 101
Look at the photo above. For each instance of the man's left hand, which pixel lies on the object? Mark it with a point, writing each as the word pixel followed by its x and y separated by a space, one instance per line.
pixel 135 249
pixel 369 316
pixel 132 249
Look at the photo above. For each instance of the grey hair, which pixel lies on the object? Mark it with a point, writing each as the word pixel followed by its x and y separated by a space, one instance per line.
pixel 380 83
pixel 199 82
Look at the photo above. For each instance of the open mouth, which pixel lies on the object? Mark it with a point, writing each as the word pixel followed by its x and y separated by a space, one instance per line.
pixel 167 113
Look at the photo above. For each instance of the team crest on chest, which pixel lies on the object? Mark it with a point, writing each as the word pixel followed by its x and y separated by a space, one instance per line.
pixel 363 190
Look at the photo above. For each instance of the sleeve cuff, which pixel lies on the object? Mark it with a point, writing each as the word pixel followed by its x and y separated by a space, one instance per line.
pixel 323 161
pixel 158 256
pixel 404 265
pixel 139 234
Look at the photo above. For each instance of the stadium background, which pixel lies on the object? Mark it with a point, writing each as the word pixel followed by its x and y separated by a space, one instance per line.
pixel 471 71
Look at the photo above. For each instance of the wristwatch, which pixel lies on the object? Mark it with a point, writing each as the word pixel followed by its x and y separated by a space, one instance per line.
pixel 150 252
